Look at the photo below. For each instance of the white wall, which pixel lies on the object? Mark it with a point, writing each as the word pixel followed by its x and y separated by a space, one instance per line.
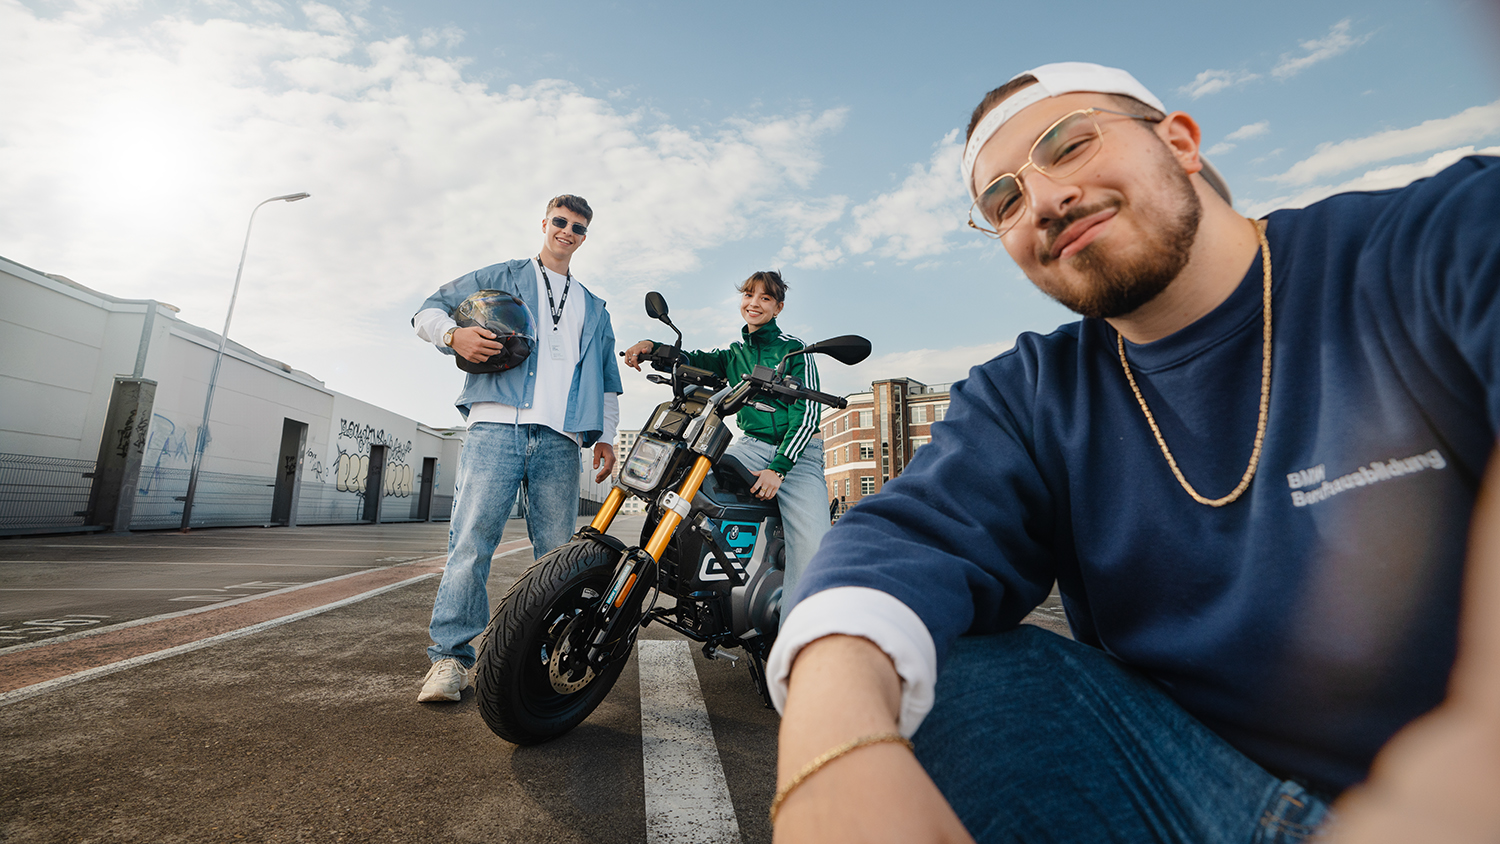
pixel 63 344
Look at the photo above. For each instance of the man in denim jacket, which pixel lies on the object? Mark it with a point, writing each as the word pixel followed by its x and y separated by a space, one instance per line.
pixel 525 423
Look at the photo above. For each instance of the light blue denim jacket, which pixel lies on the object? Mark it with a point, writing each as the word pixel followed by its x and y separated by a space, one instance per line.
pixel 597 372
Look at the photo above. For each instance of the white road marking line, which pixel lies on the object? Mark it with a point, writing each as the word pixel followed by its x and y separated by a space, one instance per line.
pixel 130 546
pixel 375 564
pixel 687 797
pixel 89 674
pixel 195 610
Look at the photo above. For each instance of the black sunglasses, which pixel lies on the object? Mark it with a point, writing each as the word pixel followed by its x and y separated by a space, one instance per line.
pixel 578 228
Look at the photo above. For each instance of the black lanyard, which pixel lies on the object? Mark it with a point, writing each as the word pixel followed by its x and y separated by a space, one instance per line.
pixel 557 310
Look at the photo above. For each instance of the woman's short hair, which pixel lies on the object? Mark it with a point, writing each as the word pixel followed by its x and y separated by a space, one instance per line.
pixel 769 281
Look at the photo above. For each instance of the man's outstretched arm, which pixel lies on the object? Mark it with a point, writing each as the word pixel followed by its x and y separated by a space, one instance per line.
pixel 843 688
pixel 1439 779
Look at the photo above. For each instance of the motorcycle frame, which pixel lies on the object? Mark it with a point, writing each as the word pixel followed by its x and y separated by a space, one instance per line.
pixel 694 429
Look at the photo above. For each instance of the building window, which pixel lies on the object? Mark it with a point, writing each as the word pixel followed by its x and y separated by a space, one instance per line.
pixel 939 411
pixel 866 451
pixel 918 442
pixel 846 487
pixel 867 485
pixel 919 415
pixel 867 419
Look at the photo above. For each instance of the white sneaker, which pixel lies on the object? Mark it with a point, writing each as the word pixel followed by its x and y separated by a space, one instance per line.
pixel 446 680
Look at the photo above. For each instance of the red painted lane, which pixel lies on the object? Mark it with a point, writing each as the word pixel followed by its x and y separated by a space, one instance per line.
pixel 51 660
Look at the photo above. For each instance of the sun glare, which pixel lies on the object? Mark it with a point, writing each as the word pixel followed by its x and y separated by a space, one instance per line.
pixel 140 155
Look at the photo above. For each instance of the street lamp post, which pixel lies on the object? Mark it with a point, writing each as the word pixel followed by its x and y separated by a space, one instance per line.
pixel 208 403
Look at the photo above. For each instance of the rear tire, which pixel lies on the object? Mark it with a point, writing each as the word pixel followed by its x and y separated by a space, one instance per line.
pixel 520 667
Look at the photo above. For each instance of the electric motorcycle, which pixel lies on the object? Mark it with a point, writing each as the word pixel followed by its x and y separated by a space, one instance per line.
pixel 711 554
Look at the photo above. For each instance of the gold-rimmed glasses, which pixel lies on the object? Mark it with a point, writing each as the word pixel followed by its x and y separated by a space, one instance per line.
pixel 1059 152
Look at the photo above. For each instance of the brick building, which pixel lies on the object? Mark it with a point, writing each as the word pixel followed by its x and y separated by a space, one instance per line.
pixel 874 438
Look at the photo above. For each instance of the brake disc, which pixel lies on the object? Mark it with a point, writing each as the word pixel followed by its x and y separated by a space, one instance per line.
pixel 558 675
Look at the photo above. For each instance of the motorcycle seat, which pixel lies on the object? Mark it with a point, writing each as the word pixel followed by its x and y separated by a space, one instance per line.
pixel 733 476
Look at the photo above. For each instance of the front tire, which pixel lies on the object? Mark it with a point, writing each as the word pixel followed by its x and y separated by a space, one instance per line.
pixel 531 685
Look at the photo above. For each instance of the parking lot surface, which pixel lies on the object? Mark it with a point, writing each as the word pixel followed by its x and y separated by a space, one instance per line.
pixel 288 713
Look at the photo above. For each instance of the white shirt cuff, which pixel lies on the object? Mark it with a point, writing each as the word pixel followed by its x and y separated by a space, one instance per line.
pixel 611 418
pixel 870 614
pixel 432 324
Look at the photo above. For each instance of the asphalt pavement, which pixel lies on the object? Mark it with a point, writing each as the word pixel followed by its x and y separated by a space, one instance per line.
pixel 287 712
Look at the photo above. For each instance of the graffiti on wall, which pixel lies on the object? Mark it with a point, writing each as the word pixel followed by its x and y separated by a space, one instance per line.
pixel 166 449
pixel 316 467
pixel 352 470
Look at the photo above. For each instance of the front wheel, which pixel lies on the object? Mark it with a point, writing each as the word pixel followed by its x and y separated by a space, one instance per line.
pixel 533 682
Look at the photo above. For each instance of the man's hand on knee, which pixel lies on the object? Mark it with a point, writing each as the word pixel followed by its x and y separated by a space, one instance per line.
pixel 844 688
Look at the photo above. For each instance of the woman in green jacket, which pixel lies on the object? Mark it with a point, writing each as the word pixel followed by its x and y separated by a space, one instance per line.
pixel 779 446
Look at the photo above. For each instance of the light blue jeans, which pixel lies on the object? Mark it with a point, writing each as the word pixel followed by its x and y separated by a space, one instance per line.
pixel 495 458
pixel 1037 738
pixel 803 498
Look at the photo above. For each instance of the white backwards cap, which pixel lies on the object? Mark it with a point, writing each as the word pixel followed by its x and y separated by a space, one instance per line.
pixel 1067 78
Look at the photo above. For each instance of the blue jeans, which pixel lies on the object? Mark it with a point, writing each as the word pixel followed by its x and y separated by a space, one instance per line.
pixel 494 460
pixel 803 498
pixel 1037 738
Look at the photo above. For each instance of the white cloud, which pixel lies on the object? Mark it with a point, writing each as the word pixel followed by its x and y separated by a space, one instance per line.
pixel 1251 130
pixel 916 219
pixel 1337 42
pixel 448 36
pixel 804 220
pixel 1383 178
pixel 1214 81
pixel 1467 126
pixel 133 159
pixel 930 366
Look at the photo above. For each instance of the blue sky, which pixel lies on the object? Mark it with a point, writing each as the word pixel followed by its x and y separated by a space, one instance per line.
pixel 712 139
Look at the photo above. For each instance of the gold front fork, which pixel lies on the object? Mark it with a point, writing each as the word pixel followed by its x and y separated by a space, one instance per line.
pixel 669 519
pixel 608 510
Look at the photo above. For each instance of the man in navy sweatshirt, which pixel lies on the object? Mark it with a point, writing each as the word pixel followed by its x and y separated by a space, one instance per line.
pixel 1249 469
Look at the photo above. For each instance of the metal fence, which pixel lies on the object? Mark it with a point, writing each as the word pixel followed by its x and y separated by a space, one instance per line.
pixel 45 494
pixel 221 499
pixel 324 504
pixel 41 493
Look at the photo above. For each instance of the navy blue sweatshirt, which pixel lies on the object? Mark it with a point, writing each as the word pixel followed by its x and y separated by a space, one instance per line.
pixel 1309 620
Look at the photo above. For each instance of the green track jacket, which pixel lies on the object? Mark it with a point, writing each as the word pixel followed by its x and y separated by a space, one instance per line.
pixel 792 424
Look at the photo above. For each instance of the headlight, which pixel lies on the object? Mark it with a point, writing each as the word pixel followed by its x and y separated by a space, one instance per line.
pixel 647 461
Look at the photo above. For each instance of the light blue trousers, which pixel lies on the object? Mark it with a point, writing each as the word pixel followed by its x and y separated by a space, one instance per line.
pixel 804 505
pixel 496 457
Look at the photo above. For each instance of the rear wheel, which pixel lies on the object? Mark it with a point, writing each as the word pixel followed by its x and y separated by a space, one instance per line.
pixel 533 682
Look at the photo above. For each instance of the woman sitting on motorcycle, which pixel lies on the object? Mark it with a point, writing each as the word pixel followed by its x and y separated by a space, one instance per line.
pixel 778 446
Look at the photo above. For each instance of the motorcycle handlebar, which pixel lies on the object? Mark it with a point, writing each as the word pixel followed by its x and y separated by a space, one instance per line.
pixel 810 395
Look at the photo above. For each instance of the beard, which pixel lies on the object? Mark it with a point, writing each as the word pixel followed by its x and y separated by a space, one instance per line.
pixel 1115 285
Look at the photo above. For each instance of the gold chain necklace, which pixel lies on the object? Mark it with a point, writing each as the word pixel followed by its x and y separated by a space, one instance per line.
pixel 1265 392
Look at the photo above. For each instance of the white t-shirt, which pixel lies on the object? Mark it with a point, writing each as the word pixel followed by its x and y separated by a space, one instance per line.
pixel 553 361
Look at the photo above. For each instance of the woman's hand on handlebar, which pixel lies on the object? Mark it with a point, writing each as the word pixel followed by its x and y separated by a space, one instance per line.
pixel 633 354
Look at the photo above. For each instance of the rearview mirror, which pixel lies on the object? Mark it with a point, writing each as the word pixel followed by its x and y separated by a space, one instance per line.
pixel 656 307
pixel 848 349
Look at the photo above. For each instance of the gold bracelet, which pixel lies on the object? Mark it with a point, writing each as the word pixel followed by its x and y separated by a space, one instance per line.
pixel 817 764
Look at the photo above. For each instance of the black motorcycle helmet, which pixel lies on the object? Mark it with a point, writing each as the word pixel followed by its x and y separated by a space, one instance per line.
pixel 510 321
